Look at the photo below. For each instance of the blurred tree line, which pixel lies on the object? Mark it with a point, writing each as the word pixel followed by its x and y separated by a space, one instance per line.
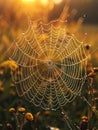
pixel 89 8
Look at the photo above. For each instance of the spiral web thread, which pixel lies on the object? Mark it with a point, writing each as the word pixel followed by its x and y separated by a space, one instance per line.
pixel 52 65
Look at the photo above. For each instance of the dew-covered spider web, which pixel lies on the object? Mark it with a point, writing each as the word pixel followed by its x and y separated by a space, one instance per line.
pixel 51 65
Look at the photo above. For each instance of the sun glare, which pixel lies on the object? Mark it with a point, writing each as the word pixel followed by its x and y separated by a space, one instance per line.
pixel 57 1
pixel 28 0
pixel 44 2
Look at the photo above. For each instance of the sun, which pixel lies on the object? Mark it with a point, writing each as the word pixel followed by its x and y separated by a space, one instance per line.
pixel 28 0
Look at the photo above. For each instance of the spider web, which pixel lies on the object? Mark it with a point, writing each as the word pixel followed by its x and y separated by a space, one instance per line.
pixel 52 65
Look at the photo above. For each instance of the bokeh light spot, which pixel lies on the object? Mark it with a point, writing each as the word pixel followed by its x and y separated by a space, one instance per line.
pixel 45 2
pixel 57 1
pixel 28 0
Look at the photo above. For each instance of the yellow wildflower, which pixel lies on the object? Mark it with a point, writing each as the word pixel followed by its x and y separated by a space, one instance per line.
pixel 29 116
pixel 12 110
pixel 94 108
pixel 12 85
pixel 13 65
pixel 47 113
pixel 1 89
pixel 84 117
pixel 9 64
pixel 21 109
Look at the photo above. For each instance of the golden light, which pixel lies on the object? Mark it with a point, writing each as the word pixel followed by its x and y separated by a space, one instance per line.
pixel 44 2
pixel 28 0
pixel 57 1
